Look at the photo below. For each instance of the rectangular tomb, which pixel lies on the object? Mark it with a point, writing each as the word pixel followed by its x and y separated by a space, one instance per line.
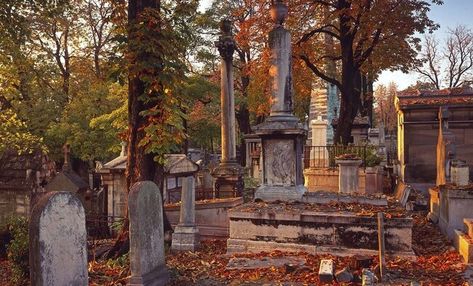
pixel 315 232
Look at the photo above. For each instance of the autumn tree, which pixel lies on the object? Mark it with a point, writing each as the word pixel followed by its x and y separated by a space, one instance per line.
pixel 384 107
pixel 449 66
pixel 370 36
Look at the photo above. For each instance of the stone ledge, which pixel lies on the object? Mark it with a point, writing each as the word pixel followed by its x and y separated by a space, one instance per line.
pixel 242 245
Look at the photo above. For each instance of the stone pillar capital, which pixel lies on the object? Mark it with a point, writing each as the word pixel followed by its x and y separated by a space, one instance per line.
pixel 226 44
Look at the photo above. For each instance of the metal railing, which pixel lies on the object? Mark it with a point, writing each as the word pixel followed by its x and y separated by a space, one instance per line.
pixel 325 156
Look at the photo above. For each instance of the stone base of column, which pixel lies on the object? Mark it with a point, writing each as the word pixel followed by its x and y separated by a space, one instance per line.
pixel 185 238
pixel 157 277
pixel 280 193
pixel 229 180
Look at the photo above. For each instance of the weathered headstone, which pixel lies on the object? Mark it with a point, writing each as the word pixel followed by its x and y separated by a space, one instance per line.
pixel 348 176
pixel 145 210
pixel 186 234
pixel 58 241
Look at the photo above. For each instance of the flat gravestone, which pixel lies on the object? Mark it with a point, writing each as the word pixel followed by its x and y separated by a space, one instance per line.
pixel 58 241
pixel 147 260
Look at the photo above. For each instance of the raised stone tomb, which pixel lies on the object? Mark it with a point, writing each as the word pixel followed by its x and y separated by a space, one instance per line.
pixel 256 228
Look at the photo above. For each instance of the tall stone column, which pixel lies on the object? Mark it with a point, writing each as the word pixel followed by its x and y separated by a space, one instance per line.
pixel 282 135
pixel 229 174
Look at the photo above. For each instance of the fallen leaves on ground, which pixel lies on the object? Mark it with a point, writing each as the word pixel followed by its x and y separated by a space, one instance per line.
pixel 437 264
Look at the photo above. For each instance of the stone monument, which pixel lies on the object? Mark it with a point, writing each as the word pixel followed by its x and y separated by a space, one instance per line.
pixel 229 174
pixel 282 135
pixel 445 147
pixel 186 234
pixel 147 263
pixel 58 241
pixel 319 156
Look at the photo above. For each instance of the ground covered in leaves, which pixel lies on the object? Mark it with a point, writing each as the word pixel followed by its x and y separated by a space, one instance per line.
pixel 437 264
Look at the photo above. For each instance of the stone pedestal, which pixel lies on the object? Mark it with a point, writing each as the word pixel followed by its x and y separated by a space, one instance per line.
pixel 460 173
pixel 282 161
pixel 348 175
pixel 228 180
pixel 186 235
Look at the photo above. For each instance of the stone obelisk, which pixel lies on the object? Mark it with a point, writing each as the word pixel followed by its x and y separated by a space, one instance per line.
pixel 229 174
pixel 282 135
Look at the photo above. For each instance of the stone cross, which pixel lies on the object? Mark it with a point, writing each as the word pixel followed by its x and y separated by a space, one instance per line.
pixel 58 241
pixel 186 234
pixel 147 261
pixel 67 159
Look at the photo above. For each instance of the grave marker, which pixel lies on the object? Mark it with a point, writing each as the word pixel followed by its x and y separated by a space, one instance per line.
pixel 58 241
pixel 145 210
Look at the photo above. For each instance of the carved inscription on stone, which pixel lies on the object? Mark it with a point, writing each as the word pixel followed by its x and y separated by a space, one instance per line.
pixel 280 162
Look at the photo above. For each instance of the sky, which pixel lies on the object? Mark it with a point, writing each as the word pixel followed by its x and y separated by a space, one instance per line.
pixel 448 15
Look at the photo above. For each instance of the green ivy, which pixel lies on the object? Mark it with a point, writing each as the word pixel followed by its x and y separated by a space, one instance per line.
pixel 18 250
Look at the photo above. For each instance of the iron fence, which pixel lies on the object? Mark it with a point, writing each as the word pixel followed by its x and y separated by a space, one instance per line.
pixel 325 156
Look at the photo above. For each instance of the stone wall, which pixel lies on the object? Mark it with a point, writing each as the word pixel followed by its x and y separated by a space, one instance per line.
pixel 417 141
pixel 14 203
pixel 211 216
pixel 323 179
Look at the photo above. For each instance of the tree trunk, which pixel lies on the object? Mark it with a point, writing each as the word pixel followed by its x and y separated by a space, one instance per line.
pixel 140 165
pixel 350 95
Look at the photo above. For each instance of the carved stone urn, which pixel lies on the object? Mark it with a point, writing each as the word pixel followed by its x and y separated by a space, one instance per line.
pixel 279 12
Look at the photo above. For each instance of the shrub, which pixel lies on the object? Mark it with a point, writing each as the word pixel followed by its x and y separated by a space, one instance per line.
pixel 18 250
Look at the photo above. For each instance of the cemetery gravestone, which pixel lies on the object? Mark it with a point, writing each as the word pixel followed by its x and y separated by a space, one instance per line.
pixel 145 210
pixel 58 241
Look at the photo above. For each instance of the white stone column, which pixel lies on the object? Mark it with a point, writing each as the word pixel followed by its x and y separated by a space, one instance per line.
pixel 186 235
pixel 319 156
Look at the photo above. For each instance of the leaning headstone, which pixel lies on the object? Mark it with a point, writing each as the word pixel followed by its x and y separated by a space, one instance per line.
pixel 58 241
pixel 186 234
pixel 145 210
